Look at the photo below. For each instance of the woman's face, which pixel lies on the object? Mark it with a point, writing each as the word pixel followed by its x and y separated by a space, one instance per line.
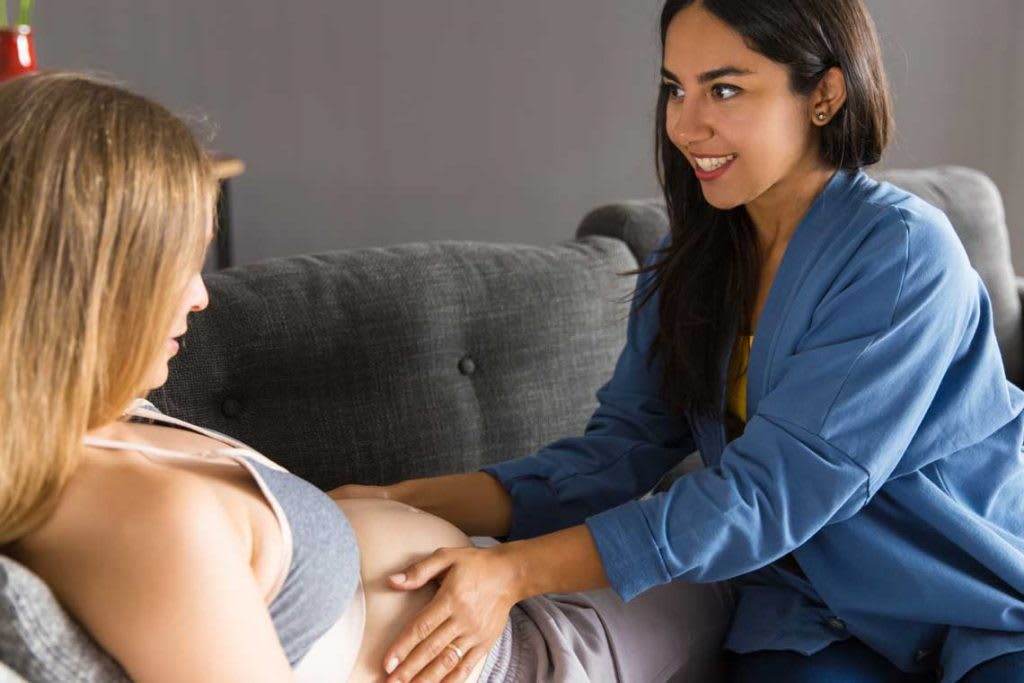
pixel 195 298
pixel 731 111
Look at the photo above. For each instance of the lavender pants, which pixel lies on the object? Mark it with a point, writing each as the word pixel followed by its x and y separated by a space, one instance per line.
pixel 670 633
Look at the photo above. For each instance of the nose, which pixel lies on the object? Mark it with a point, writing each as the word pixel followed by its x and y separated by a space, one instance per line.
pixel 688 124
pixel 200 296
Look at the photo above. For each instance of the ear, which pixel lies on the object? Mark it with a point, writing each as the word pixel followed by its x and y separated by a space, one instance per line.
pixel 828 97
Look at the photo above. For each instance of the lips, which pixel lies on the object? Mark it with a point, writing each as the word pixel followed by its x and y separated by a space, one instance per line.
pixel 711 168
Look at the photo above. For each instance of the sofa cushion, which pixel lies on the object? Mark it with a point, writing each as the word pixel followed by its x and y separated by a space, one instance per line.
pixel 968 197
pixel 375 365
pixel 39 641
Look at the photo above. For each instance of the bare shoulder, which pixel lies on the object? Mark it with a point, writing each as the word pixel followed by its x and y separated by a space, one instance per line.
pixel 115 510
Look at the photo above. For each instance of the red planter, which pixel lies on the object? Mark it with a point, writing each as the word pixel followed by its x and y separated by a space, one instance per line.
pixel 17 52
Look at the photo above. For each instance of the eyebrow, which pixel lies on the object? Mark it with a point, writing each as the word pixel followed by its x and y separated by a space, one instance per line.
pixel 712 75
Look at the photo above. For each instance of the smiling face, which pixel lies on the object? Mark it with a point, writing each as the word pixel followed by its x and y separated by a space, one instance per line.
pixel 732 112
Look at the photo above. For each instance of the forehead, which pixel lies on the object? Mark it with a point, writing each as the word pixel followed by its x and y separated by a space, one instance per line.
pixel 697 42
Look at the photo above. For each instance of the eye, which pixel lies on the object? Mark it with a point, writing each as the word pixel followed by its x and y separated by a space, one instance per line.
pixel 724 91
pixel 674 91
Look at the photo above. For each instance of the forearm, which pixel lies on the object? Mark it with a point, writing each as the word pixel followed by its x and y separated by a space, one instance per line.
pixel 475 501
pixel 565 561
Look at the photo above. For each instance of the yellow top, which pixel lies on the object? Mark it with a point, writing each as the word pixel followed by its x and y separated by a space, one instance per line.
pixel 736 399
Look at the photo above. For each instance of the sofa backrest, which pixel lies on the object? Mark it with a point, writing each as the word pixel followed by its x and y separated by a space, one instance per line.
pixel 375 365
pixel 969 198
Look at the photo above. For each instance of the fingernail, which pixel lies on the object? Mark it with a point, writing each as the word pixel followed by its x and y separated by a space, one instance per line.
pixel 398 578
pixel 392 664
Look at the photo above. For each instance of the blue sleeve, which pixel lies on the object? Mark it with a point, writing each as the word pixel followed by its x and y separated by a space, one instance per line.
pixel 837 415
pixel 629 443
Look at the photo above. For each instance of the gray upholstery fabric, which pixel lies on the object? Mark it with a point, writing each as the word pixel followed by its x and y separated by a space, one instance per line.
pixel 640 223
pixel 969 198
pixel 376 365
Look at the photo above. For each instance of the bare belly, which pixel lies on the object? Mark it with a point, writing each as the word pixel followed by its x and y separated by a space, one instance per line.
pixel 391 537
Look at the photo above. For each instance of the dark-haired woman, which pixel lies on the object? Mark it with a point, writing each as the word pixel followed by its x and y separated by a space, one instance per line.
pixel 864 484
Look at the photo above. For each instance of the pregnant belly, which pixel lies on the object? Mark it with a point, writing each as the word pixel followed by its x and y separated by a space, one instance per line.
pixel 391 537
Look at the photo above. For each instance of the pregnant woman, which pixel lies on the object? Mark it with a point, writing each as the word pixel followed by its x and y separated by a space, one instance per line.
pixel 187 555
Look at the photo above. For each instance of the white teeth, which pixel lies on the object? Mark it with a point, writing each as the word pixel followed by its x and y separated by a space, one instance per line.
pixel 710 164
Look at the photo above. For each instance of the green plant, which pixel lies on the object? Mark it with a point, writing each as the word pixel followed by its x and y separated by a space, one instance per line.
pixel 24 12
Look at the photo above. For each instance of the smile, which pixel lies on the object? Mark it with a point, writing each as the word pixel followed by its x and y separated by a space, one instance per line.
pixel 712 168
pixel 708 164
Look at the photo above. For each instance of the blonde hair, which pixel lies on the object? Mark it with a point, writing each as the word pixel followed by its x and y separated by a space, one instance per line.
pixel 105 197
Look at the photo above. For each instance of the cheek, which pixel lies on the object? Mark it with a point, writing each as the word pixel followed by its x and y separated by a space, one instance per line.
pixel 770 140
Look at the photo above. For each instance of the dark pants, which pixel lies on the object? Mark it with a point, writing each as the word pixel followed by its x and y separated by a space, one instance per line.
pixel 851 661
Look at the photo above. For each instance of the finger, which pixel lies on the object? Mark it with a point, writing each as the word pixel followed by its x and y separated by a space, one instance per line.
pixel 465 668
pixel 447 661
pixel 428 650
pixel 415 632
pixel 423 571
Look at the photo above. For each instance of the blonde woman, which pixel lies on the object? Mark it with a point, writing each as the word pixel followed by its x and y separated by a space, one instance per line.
pixel 185 554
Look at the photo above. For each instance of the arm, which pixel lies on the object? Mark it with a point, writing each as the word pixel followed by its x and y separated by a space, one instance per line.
pixel 161 579
pixel 482 507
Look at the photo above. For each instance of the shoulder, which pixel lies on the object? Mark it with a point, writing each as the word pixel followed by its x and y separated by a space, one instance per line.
pixel 895 230
pixel 116 511
pixel 894 256
pixel 924 230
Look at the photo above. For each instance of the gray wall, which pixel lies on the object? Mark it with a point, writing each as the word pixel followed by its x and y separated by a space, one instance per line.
pixel 956 70
pixel 368 123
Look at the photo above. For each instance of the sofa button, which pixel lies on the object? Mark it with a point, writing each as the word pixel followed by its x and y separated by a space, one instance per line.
pixel 231 407
pixel 837 623
pixel 467 366
pixel 921 655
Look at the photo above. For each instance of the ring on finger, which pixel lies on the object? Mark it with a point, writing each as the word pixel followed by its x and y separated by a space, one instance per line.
pixel 455 648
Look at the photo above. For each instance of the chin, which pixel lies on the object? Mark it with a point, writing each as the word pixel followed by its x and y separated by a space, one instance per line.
pixel 157 376
pixel 722 203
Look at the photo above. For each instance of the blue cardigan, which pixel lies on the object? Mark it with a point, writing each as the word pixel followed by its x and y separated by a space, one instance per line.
pixel 883 449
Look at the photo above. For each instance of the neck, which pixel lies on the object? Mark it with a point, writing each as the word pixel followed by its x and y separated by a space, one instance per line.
pixel 111 430
pixel 777 212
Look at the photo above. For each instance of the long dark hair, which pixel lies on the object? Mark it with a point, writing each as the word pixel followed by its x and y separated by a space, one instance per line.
pixel 707 278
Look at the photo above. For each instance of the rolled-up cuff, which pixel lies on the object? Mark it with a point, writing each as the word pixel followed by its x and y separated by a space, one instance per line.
pixel 535 504
pixel 630 556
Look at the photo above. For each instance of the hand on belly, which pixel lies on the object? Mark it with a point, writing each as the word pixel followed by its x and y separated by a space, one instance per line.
pixel 392 536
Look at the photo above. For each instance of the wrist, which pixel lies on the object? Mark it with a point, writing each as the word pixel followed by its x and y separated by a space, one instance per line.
pixel 522 581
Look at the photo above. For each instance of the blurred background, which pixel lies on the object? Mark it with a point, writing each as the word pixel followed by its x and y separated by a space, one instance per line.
pixel 365 123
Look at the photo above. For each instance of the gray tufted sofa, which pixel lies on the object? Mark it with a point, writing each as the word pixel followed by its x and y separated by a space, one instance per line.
pixel 376 365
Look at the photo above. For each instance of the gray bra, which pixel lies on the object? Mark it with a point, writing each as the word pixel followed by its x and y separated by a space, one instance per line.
pixel 319 603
